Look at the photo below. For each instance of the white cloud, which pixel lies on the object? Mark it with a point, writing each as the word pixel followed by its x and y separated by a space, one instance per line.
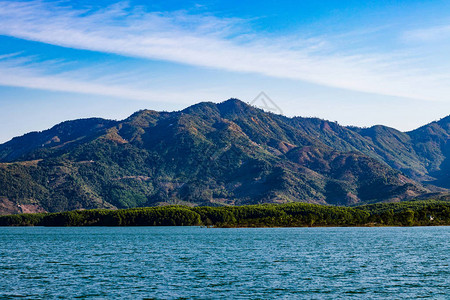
pixel 207 41
pixel 431 34
pixel 21 72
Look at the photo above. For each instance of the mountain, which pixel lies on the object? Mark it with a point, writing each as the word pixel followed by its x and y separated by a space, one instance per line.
pixel 229 153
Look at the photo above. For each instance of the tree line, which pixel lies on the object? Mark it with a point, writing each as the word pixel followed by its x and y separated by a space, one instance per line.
pixel 412 213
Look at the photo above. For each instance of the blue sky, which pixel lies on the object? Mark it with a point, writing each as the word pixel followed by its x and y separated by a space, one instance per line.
pixel 356 62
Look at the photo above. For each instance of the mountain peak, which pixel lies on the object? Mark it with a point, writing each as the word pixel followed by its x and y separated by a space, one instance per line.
pixel 233 106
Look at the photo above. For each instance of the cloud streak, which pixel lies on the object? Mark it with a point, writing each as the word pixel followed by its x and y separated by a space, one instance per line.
pixel 431 34
pixel 207 41
pixel 22 72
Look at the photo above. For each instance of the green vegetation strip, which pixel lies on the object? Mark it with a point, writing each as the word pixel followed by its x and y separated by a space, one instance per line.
pixel 414 213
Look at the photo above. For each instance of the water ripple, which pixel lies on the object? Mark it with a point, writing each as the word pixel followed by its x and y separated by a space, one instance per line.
pixel 198 263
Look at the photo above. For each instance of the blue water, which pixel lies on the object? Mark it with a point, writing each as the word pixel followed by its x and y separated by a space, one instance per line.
pixel 194 262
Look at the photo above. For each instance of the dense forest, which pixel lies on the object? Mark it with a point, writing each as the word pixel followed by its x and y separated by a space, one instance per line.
pixel 411 213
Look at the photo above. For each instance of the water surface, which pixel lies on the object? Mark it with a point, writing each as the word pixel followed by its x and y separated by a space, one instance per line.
pixel 194 262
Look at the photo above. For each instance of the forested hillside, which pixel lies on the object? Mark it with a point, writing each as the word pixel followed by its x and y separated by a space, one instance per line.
pixel 229 153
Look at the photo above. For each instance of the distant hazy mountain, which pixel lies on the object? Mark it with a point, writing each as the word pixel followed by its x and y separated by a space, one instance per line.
pixel 216 154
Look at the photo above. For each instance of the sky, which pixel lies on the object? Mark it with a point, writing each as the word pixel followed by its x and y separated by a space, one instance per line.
pixel 358 63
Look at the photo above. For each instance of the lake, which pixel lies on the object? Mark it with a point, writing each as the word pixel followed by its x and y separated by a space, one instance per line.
pixel 195 262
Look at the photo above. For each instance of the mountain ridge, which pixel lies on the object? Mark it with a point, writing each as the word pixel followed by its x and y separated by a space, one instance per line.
pixel 229 153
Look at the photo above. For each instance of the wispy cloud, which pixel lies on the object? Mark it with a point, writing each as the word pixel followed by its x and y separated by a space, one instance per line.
pixel 208 41
pixel 431 34
pixel 22 72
